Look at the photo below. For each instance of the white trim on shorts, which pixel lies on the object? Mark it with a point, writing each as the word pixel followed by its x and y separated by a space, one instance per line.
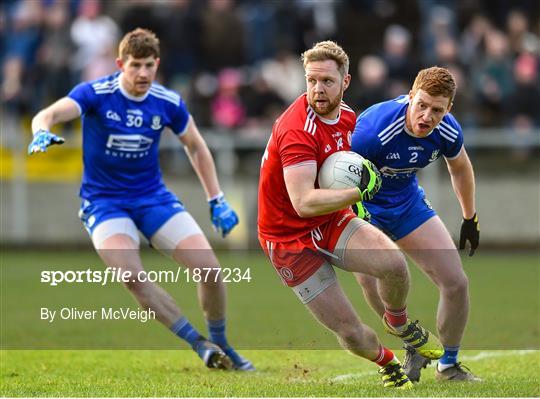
pixel 111 227
pixel 177 228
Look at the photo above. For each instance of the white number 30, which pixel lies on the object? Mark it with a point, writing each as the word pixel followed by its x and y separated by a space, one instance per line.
pixel 134 121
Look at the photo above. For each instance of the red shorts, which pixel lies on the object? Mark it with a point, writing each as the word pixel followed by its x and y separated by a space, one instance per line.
pixel 296 260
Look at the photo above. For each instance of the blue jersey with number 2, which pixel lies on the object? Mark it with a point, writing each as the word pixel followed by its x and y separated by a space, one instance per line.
pixel 381 136
pixel 121 136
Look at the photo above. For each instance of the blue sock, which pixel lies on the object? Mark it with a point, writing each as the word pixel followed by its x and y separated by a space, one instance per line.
pixel 216 330
pixel 450 355
pixel 184 330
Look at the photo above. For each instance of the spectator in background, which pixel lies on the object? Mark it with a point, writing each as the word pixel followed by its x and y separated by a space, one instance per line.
pixel 398 58
pixel 23 37
pixel 228 111
pixel 95 36
pixel 284 64
pixel 181 42
pixel 493 80
pixel 525 98
pixel 222 36
pixel 517 27
pixel 371 86
pixel 263 105
pixel 55 53
pixel 473 38
pixel 438 26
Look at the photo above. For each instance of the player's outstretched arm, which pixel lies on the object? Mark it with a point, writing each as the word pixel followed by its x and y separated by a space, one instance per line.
pixel 462 175
pixel 223 217
pixel 63 110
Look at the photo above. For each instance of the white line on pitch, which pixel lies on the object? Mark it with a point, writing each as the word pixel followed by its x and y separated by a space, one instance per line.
pixel 472 358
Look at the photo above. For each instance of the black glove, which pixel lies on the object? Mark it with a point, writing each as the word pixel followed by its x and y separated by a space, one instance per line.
pixel 470 230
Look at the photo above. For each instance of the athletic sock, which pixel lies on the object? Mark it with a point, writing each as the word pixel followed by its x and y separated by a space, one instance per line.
pixel 185 330
pixel 449 358
pixel 216 331
pixel 385 356
pixel 396 318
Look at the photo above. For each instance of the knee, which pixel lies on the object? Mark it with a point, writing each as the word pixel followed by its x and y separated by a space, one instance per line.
pixel 459 285
pixel 395 267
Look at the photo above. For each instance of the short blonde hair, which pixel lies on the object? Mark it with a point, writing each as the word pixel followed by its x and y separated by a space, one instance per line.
pixel 139 43
pixel 435 81
pixel 327 50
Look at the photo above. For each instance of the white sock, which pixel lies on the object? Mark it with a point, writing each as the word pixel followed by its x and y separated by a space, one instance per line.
pixel 441 366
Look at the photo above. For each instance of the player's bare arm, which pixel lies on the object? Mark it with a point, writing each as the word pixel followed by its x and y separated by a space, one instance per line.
pixel 462 175
pixel 63 110
pixel 201 159
pixel 309 201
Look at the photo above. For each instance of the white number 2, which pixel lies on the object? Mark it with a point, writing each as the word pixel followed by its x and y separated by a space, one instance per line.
pixel 134 121
pixel 413 159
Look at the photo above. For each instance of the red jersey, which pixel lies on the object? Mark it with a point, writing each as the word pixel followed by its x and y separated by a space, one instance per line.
pixel 298 136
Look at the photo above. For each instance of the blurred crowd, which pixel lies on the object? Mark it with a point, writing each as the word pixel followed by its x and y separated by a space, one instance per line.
pixel 236 63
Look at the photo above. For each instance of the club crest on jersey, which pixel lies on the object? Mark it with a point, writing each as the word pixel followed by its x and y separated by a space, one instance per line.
pixel 434 155
pixel 156 122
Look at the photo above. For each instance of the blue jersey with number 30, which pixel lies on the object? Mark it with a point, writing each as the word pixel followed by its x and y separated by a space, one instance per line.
pixel 381 136
pixel 121 136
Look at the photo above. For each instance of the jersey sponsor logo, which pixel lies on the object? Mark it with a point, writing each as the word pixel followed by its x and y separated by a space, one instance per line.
pixel 393 155
pixel 434 156
pixel 398 173
pixel 113 116
pixel 156 122
pixel 129 143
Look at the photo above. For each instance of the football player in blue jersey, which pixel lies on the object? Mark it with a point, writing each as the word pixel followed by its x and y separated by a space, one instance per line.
pixel 122 191
pixel 400 137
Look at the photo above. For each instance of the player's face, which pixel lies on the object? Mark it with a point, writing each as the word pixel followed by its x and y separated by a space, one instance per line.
pixel 425 112
pixel 138 74
pixel 325 87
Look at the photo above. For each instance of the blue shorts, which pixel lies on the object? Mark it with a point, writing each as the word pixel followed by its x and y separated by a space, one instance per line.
pixel 148 213
pixel 397 222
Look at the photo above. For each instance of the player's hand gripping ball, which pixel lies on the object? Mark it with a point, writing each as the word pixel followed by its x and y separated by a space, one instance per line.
pixel 42 139
pixel 347 169
pixel 223 217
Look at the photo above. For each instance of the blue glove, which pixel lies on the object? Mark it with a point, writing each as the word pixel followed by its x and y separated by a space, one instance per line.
pixel 223 217
pixel 42 139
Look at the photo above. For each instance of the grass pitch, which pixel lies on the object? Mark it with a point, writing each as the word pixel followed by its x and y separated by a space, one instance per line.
pixel 296 373
pixel 269 326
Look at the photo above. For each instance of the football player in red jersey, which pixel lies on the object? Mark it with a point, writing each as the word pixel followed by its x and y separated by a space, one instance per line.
pixel 304 229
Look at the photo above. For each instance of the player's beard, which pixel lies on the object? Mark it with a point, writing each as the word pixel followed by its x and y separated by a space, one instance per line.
pixel 328 106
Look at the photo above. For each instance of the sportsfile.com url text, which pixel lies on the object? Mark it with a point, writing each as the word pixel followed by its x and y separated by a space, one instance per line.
pixel 118 275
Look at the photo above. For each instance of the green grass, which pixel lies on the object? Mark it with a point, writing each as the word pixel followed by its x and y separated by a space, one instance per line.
pixel 266 321
pixel 280 373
